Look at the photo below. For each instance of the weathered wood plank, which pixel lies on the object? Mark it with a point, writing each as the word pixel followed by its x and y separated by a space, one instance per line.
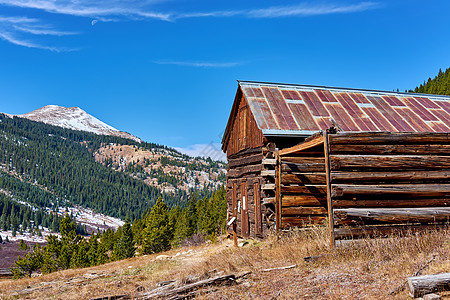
pixel 302 167
pixel 348 232
pixel 268 173
pixel 359 203
pixel 426 284
pixel 393 215
pixel 303 200
pixel 268 186
pixel 303 221
pixel 278 220
pixel 269 161
pixel 330 214
pixel 303 210
pixel 423 149
pixel 304 189
pixel 269 200
pixel 303 160
pixel 389 137
pixel 403 162
pixel 303 178
pixel 313 142
pixel 243 161
pixel 341 176
pixel 404 190
pixel 241 171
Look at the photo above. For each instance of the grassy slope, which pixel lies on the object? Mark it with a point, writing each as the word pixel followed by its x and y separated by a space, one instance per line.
pixel 368 269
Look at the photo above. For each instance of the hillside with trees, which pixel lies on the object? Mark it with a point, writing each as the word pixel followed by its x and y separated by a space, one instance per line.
pixel 439 85
pixel 46 170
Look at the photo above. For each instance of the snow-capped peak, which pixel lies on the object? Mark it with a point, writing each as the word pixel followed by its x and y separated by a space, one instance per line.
pixel 74 118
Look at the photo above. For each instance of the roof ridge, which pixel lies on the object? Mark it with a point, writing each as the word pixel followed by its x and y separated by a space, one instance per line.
pixel 339 88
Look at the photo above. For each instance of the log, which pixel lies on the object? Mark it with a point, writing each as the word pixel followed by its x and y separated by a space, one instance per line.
pixel 389 138
pixel 269 200
pixel 303 221
pixel 303 160
pixel 403 162
pixel 246 152
pixel 302 210
pixel 393 203
pixel 240 171
pixel 421 149
pixel 268 186
pixel 304 189
pixel 404 190
pixel 226 279
pixel 268 173
pixel 243 161
pixel 303 178
pixel 348 232
pixel 393 215
pixel 303 200
pixel 441 175
pixel 427 284
pixel 302 167
pixel 269 161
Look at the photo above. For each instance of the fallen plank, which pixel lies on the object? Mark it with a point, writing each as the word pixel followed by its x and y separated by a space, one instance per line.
pixel 280 268
pixel 427 284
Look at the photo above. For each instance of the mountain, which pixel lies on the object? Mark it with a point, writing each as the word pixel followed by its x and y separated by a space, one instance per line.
pixel 98 178
pixel 439 85
pixel 74 118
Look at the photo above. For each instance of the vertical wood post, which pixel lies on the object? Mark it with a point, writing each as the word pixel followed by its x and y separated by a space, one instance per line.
pixel 277 191
pixel 234 213
pixel 326 146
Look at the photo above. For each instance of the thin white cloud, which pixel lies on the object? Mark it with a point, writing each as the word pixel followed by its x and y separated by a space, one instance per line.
pixel 16 41
pixel 199 64
pixel 43 31
pixel 211 150
pixel 117 10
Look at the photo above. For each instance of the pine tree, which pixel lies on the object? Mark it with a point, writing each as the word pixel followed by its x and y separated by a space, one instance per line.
pixel 25 266
pixel 158 233
pixel 125 246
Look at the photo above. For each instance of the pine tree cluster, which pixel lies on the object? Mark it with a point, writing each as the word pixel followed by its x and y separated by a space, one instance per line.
pixel 158 230
pixel 439 85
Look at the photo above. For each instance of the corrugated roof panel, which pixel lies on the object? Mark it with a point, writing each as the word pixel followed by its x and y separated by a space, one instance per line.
pixel 420 110
pixel 285 109
pixel 262 113
pixel 280 109
pixel 427 103
pixel 303 117
pixel 314 104
pixel 341 117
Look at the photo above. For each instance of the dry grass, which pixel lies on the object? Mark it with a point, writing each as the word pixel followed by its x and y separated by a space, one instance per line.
pixel 366 269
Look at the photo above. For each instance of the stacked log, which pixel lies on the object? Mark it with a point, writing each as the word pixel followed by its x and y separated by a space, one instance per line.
pixel 383 182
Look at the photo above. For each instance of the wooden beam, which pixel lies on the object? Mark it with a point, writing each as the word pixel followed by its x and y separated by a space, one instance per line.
pixel 403 162
pixel 269 200
pixel 298 168
pixel 404 190
pixel 360 203
pixel 278 221
pixel 326 146
pixel 389 137
pixel 303 200
pixel 303 221
pixel 269 161
pixel 401 175
pixel 392 215
pixel 268 186
pixel 303 178
pixel 304 189
pixel 303 210
pixel 268 173
pixel 422 149
pixel 244 161
pixel 316 141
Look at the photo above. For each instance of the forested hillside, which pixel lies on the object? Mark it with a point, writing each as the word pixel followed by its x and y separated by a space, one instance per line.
pixel 44 166
pixel 439 85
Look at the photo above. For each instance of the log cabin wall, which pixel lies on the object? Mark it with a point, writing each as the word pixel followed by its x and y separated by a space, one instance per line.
pixel 384 182
pixel 303 192
pixel 244 181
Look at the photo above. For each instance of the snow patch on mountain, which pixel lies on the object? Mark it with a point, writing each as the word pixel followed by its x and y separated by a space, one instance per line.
pixel 74 118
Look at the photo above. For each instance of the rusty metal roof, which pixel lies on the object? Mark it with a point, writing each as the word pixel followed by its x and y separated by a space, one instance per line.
pixel 300 110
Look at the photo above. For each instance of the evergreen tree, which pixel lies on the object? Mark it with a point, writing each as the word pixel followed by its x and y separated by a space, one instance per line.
pixel 25 266
pixel 158 233
pixel 125 246
pixel 23 246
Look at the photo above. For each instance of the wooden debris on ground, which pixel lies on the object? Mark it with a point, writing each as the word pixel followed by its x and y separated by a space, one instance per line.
pixel 427 284
pixel 173 289
pixel 280 268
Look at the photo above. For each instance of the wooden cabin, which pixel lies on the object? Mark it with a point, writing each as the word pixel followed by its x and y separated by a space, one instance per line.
pixel 361 161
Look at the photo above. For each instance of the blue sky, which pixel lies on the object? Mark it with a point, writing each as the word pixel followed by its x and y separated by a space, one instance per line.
pixel 166 70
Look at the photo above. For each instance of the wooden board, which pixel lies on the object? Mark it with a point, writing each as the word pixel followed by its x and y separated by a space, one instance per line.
pixel 423 149
pixel 389 138
pixel 403 162
pixel 400 175
pixel 303 200
pixel 303 178
pixel 404 190
pixel 360 203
